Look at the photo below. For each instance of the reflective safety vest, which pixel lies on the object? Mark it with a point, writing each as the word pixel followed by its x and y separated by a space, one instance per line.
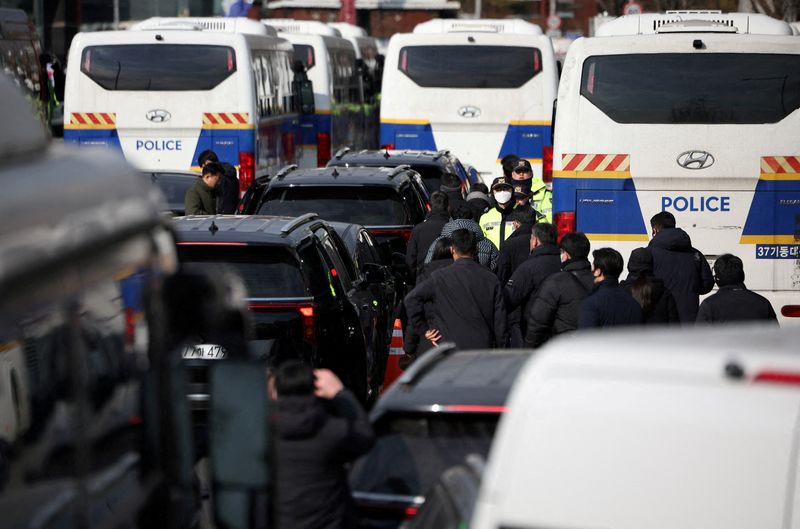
pixel 492 224
pixel 542 201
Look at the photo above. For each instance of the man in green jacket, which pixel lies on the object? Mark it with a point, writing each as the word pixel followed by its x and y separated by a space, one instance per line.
pixel 201 199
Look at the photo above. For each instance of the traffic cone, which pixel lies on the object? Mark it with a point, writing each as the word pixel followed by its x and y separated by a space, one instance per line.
pixel 396 352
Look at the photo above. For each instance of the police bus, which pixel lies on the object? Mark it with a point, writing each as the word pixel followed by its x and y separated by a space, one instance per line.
pixel 695 113
pixel 168 89
pixel 480 88
pixel 341 114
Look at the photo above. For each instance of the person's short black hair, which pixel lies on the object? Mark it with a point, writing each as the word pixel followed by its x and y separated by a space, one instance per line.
pixel 441 249
pixel 207 156
pixel 545 232
pixel 464 242
pixel 213 168
pixel 662 220
pixel 462 210
pixel 294 377
pixel 479 186
pixel 439 202
pixel 728 270
pixel 576 244
pixel 609 261
pixel 523 215
pixel 509 161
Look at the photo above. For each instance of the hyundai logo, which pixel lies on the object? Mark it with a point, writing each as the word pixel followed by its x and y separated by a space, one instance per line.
pixel 469 112
pixel 158 116
pixel 695 160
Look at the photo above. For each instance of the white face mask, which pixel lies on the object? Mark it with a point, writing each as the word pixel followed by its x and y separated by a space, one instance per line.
pixel 502 196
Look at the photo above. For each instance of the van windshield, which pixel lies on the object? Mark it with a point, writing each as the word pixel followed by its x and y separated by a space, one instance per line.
pixel 718 88
pixel 167 67
pixel 470 66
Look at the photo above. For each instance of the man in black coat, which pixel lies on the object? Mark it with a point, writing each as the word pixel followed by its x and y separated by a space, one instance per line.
pixel 424 233
pixel 466 301
pixel 543 261
pixel 319 426
pixel 683 269
pixel 608 305
pixel 517 247
pixel 556 305
pixel 228 188
pixel 734 302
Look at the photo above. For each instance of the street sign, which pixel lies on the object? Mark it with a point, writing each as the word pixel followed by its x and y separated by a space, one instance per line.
pixel 553 22
pixel 632 8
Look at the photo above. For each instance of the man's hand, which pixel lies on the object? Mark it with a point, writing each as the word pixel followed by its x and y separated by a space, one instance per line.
pixel 326 383
pixel 433 335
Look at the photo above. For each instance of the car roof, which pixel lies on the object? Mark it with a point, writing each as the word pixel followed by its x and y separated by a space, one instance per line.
pixel 454 381
pixel 394 158
pixel 342 176
pixel 249 229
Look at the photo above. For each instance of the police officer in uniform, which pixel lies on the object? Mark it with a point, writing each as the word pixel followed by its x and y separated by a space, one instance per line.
pixel 541 197
pixel 496 222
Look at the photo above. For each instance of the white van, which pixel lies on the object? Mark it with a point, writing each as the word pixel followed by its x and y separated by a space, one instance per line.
pixel 480 88
pixel 695 429
pixel 695 113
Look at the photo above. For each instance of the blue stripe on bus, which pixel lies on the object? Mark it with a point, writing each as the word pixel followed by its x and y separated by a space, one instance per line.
pixel 226 144
pixel 311 124
pixel 604 205
pixel 526 141
pixel 92 137
pixel 412 136
pixel 775 209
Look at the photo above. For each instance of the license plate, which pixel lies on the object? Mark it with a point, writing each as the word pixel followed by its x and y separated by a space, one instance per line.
pixel 204 351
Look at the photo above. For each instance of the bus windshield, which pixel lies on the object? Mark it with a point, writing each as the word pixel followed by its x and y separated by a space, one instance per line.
pixel 718 88
pixel 167 67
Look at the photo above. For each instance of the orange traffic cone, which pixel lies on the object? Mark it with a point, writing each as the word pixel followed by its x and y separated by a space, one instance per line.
pixel 396 352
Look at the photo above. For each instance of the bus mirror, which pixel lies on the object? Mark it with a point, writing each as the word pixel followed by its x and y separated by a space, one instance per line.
pixel 305 93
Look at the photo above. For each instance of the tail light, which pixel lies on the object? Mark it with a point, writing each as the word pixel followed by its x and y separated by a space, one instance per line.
pixel 547 164
pixel 323 149
pixel 778 377
pixel 565 223
pixel 388 146
pixel 405 233
pixel 130 327
pixel 791 311
pixel 307 313
pixel 247 170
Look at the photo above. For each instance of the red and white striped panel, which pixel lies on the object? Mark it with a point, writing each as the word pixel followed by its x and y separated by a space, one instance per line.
pixel 780 164
pixel 222 119
pixel 595 162
pixel 90 120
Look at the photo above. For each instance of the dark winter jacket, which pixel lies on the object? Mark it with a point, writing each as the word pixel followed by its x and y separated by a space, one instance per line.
pixel 557 303
pixel 415 343
pixel 735 303
pixel 467 304
pixel 520 290
pixel 200 199
pixel 228 191
pixel 662 307
pixel 487 251
pixel 315 438
pixel 514 252
pixel 683 269
pixel 609 306
pixel 422 237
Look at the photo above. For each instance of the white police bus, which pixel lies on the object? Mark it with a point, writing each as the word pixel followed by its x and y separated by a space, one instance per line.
pixel 341 116
pixel 480 88
pixel 695 113
pixel 168 89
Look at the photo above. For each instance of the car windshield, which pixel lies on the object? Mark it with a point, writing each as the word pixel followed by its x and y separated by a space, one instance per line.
pixel 413 450
pixel 268 272
pixel 368 206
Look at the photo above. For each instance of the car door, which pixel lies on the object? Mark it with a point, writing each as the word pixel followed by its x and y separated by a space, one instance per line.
pixel 368 255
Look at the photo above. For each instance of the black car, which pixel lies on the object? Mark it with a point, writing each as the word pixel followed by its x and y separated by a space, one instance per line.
pixel 307 298
pixel 443 408
pixel 174 185
pixel 435 168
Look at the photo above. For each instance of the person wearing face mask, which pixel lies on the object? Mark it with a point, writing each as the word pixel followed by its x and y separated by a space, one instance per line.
pixel 539 196
pixel 608 305
pixel 496 223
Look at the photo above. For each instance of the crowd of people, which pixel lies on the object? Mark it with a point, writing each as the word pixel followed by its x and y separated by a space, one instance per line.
pixel 491 273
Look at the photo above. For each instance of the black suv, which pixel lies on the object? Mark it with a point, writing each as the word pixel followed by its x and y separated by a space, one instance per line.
pixel 443 408
pixel 306 296
pixel 435 168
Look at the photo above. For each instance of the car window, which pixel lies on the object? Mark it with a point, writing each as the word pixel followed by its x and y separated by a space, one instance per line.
pixel 367 251
pixel 338 269
pixel 174 187
pixel 267 271
pixel 706 88
pixel 413 450
pixel 413 202
pixel 368 206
